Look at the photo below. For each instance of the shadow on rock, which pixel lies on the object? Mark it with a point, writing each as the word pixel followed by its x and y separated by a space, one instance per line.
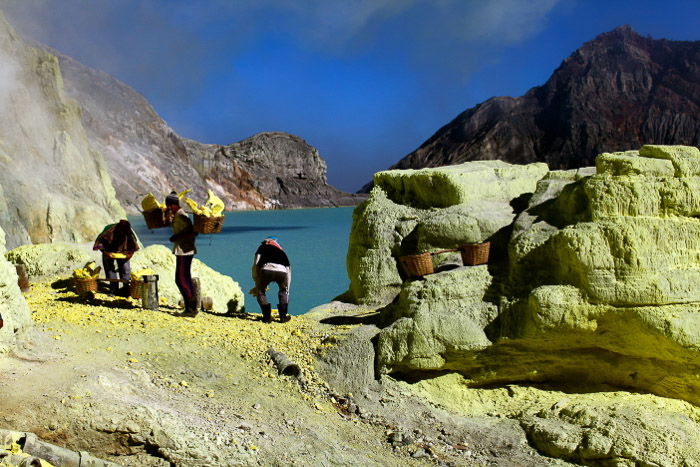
pixel 365 318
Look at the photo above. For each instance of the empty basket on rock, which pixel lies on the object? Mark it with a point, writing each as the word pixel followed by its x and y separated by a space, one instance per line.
pixel 156 218
pixel 475 253
pixel 417 265
pixel 208 225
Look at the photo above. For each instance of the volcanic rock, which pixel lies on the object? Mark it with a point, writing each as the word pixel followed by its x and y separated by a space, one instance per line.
pixel 619 90
pixel 54 185
pixel 267 170
pixel 599 286
pixel 13 308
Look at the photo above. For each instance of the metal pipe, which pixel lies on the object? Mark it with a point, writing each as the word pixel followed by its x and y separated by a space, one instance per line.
pixel 284 365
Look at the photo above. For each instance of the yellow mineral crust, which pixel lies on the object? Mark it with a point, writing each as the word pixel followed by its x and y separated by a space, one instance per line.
pixel 57 312
pixel 588 424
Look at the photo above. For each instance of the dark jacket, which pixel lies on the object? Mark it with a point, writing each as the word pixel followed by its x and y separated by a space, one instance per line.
pixel 271 254
pixel 117 238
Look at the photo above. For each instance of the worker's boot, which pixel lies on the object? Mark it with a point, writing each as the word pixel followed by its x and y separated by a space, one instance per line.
pixel 266 313
pixel 282 310
pixel 190 308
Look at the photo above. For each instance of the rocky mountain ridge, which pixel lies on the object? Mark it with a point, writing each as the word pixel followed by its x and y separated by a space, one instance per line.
pixel 77 146
pixel 618 91
pixel 266 171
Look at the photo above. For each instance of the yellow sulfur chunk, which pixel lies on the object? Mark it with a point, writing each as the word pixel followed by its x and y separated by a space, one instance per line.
pixel 89 271
pixel 116 255
pixel 213 207
pixel 193 205
pixel 149 203
pixel 142 272
pixel 215 204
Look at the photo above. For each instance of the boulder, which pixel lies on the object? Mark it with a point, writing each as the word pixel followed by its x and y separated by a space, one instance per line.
pixel 457 184
pixel 13 307
pixel 49 260
pixel 437 321
pixel 582 427
pixel 615 432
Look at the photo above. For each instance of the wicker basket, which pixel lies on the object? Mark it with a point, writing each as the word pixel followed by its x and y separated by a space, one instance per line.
pixel 135 289
pixel 475 253
pixel 83 286
pixel 156 218
pixel 417 265
pixel 208 225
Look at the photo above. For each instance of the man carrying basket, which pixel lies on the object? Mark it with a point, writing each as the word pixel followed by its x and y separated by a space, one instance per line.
pixel 184 250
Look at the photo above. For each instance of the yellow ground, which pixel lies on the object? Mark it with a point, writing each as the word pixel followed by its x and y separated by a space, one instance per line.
pixel 111 364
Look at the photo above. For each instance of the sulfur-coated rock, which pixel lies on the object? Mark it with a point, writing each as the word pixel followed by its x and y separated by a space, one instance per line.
pixel 472 202
pixel 581 425
pixel 13 306
pixel 600 288
pixel 685 159
pixel 52 259
pixel 612 294
pixel 559 200
pixel 437 321
pixel 614 434
pixel 457 184
pixel 55 185
pixel 633 261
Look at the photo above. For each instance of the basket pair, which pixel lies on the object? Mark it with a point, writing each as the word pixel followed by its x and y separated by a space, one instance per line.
pixel 159 218
pixel 420 265
pixel 84 286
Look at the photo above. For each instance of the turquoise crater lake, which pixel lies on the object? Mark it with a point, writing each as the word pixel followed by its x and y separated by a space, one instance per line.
pixel 316 241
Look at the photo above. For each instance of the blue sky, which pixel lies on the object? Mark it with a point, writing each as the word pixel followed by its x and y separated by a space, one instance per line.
pixel 364 81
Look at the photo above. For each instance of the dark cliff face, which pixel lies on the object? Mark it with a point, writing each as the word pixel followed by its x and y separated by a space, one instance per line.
pixel 143 154
pixel 616 92
pixel 269 170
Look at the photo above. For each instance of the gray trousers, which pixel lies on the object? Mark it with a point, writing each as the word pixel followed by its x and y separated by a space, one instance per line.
pixel 123 268
pixel 264 280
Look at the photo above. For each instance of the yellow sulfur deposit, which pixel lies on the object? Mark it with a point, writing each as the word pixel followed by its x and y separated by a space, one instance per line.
pixel 89 271
pixel 213 207
pixel 194 207
pixel 116 255
pixel 135 276
pixel 150 203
